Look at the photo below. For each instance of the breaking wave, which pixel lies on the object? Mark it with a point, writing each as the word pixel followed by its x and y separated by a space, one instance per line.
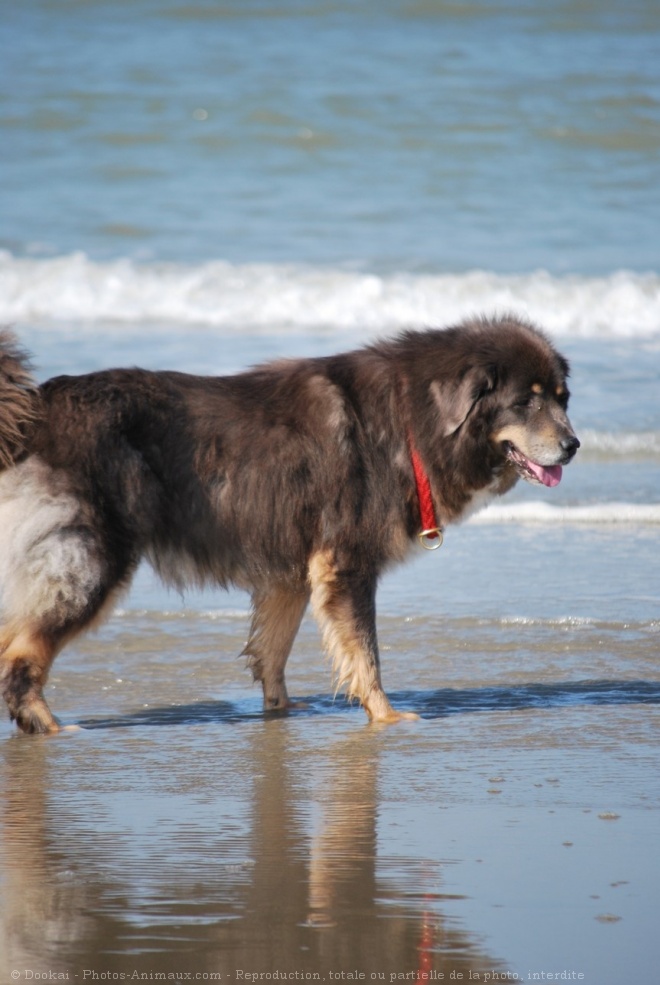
pixel 265 297
pixel 588 514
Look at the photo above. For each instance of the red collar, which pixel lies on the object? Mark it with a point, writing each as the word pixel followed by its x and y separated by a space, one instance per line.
pixel 431 530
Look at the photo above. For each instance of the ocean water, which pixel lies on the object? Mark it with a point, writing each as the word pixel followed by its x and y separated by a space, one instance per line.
pixel 206 184
pixel 399 135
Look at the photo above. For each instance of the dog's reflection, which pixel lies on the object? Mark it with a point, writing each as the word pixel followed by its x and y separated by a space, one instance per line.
pixel 294 877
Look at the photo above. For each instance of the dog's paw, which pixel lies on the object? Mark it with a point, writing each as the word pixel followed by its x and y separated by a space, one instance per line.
pixel 393 717
pixel 381 712
pixel 35 718
pixel 284 709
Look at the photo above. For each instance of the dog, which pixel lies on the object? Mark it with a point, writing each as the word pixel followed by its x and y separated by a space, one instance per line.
pixel 299 480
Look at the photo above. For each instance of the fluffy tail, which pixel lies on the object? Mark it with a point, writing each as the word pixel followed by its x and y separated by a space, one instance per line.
pixel 19 400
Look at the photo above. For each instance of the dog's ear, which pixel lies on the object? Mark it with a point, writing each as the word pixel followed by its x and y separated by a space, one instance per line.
pixel 456 399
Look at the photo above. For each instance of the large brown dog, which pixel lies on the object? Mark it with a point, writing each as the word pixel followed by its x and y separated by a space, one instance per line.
pixel 298 480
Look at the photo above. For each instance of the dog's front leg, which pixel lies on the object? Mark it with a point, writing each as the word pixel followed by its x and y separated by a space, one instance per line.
pixel 344 603
pixel 276 618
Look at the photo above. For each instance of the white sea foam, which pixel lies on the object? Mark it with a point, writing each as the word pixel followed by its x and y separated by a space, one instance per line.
pixel 264 297
pixel 593 514
pixel 619 445
pixel 184 615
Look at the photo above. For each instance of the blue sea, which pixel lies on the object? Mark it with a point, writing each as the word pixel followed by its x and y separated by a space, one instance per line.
pixel 205 184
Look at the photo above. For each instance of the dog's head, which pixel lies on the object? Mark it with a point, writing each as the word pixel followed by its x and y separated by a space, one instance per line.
pixel 534 433
pixel 512 394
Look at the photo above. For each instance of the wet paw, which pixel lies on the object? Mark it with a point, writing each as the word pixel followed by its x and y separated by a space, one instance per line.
pixel 283 709
pixel 393 717
pixel 36 719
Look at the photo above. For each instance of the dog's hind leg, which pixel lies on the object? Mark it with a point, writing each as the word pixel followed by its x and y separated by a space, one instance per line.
pixel 276 619
pixel 29 646
pixel 344 605
pixel 58 577
pixel 26 655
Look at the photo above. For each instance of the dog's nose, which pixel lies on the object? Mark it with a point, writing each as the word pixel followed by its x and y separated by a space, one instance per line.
pixel 570 445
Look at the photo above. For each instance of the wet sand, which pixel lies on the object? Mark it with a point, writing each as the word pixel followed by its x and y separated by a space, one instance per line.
pixel 512 831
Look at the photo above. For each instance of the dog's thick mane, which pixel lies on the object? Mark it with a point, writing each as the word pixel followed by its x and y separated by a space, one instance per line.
pixel 454 380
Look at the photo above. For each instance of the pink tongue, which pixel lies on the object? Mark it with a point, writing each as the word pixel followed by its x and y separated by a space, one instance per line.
pixel 549 475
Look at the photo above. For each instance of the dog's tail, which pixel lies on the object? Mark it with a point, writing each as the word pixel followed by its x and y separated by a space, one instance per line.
pixel 20 404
